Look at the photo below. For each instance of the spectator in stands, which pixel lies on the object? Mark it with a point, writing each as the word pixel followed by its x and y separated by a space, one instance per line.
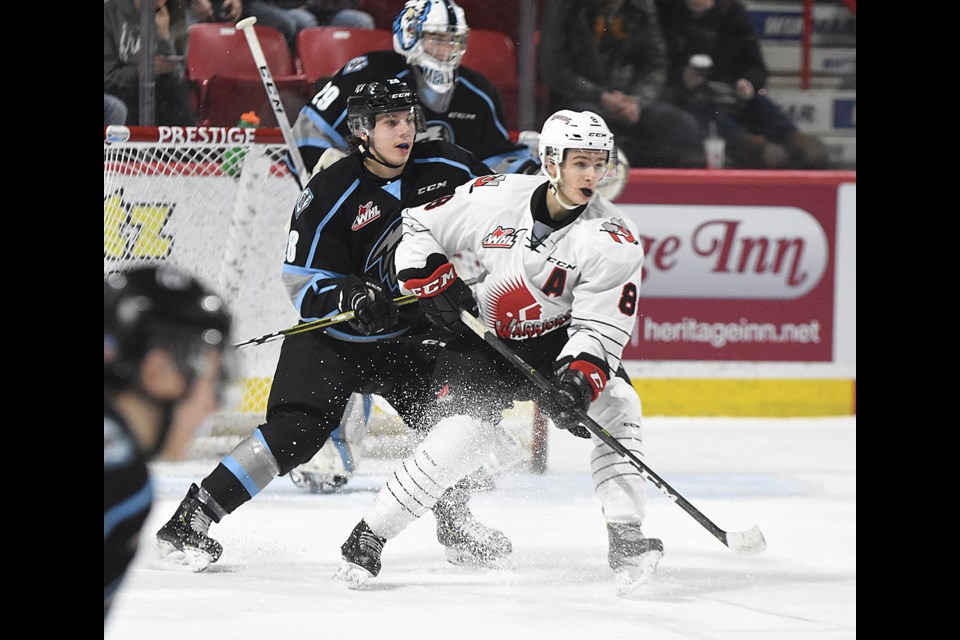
pixel 121 64
pixel 340 13
pixel 114 110
pixel 608 57
pixel 725 85
pixel 290 17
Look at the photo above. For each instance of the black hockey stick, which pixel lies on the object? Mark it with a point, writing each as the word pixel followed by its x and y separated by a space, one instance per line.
pixel 743 542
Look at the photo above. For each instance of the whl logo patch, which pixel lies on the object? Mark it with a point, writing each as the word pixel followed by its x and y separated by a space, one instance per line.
pixel 368 213
pixel 502 238
pixel 617 230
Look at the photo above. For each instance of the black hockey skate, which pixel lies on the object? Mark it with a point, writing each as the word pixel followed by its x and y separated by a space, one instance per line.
pixel 361 556
pixel 186 533
pixel 467 540
pixel 632 556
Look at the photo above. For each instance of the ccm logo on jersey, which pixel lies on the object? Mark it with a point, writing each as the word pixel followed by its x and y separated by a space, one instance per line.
pixel 460 115
pixel 431 187
pixel 618 230
pixel 368 213
pixel 501 238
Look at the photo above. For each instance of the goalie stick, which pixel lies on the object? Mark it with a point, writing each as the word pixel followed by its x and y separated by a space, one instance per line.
pixel 246 25
pixel 747 542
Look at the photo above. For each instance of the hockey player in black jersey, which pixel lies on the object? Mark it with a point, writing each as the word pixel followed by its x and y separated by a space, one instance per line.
pixel 164 336
pixel 344 230
pixel 459 105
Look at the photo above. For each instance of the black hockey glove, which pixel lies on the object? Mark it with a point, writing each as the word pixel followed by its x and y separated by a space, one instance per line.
pixel 441 295
pixel 580 384
pixel 373 310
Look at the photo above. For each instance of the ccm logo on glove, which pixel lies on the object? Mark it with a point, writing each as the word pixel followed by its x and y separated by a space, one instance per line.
pixel 594 375
pixel 433 284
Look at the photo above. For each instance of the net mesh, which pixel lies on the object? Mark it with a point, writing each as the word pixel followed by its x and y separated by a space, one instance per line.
pixel 219 213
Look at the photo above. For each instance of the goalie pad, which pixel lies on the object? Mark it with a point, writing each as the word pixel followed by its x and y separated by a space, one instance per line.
pixel 335 463
pixel 329 156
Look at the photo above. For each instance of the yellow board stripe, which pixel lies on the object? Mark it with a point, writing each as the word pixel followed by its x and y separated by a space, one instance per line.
pixel 749 397
pixel 754 397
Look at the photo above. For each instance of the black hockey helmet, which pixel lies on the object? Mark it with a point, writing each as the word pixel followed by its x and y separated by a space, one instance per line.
pixel 372 98
pixel 158 306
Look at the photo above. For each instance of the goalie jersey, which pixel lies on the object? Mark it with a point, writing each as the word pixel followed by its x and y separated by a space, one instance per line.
pixel 474 119
pixel 581 275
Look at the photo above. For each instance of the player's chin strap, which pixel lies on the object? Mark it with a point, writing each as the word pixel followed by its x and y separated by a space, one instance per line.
pixel 368 153
pixel 554 180
pixel 559 197
pixel 743 542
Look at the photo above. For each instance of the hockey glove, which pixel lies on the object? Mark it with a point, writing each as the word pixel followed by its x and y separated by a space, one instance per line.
pixel 580 384
pixel 441 295
pixel 373 310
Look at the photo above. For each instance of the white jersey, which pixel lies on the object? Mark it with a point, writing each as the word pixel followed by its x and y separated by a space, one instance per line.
pixel 584 276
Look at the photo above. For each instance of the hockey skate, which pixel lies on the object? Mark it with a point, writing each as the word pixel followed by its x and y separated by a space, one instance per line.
pixel 467 540
pixel 183 539
pixel 632 556
pixel 361 557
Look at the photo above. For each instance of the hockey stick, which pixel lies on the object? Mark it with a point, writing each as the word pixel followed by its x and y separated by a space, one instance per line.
pixel 246 25
pixel 316 324
pixel 325 322
pixel 743 542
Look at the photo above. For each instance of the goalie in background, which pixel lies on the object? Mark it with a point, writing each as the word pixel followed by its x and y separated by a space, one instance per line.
pixel 344 231
pixel 164 340
pixel 562 288
pixel 459 105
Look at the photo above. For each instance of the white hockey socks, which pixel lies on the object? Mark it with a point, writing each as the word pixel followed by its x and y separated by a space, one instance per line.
pixel 618 484
pixel 455 447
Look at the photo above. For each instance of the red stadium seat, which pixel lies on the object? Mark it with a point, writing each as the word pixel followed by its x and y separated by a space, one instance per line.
pixel 226 78
pixel 323 51
pixel 493 54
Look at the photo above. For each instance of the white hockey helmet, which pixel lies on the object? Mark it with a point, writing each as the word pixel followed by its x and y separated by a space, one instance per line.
pixel 567 129
pixel 441 20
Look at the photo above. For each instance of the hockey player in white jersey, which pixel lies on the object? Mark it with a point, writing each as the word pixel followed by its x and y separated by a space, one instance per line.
pixel 562 286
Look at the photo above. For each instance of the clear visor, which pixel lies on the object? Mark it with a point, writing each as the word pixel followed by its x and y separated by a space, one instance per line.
pixel 601 161
pixel 412 116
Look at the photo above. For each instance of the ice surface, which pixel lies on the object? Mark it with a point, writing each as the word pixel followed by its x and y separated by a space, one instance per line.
pixel 795 479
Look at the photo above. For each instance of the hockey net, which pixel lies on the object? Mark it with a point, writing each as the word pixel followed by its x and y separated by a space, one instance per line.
pixel 216 202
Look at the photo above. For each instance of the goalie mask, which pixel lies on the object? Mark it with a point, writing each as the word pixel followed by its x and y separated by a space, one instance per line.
pixel 566 130
pixel 432 36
